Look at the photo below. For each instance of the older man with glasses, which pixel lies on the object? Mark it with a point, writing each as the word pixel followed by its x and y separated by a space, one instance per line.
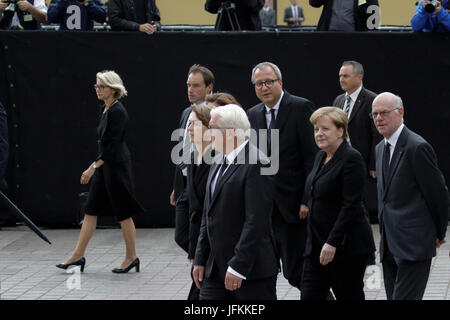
pixel 412 202
pixel 279 110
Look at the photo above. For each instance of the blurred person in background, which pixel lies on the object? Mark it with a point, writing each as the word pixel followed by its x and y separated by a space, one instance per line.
pixel 267 15
pixel 246 11
pixel 293 15
pixel 28 15
pixel 345 15
pixel 76 15
pixel 134 15
pixel 431 16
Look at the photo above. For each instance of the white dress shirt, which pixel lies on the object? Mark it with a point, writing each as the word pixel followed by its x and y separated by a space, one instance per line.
pixel 275 107
pixel 353 96
pixel 393 140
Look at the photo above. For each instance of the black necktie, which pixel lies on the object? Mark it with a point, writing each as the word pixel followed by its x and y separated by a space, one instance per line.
pixel 223 166
pixel 269 132
pixel 386 160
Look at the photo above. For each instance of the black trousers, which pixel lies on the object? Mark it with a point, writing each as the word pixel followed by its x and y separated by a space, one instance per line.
pixel 182 225
pixel 290 242
pixel 403 279
pixel 344 276
pixel 213 288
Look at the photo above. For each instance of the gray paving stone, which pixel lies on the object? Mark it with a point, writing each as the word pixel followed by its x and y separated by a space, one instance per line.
pixel 28 272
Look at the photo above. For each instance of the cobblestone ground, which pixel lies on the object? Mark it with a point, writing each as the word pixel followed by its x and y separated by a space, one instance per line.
pixel 28 272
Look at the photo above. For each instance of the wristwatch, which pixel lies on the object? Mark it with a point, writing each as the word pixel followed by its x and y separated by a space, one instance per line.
pixel 94 166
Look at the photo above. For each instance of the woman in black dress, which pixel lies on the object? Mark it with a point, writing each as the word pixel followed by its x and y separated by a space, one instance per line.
pixel 111 191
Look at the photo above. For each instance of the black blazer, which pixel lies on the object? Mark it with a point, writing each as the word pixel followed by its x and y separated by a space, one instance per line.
pixel 236 225
pixel 179 182
pixel 122 14
pixel 197 177
pixel 112 146
pixel 336 212
pixel 297 151
pixel 359 12
pixel 413 207
pixel 361 129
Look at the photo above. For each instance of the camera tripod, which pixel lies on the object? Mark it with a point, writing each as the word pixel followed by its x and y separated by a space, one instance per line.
pixel 229 9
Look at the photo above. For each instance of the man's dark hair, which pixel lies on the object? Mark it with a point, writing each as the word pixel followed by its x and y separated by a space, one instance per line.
pixel 357 67
pixel 208 76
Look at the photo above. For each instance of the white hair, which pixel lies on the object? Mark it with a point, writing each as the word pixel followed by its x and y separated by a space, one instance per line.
pixel 263 65
pixel 393 98
pixel 113 80
pixel 232 116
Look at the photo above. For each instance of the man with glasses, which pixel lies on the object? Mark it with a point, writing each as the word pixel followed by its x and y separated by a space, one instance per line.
pixel 356 101
pixel 289 115
pixel 412 202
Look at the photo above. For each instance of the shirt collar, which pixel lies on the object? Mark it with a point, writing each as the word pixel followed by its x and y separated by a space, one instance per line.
pixel 394 138
pixel 233 154
pixel 277 105
pixel 355 94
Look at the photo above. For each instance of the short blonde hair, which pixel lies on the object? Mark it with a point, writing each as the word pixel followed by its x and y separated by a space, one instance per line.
pixel 112 79
pixel 336 115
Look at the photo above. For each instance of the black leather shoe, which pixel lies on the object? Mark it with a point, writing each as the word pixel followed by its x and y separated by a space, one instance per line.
pixel 80 263
pixel 135 263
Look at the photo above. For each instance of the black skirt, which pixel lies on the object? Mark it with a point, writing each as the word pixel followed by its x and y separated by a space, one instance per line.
pixel 111 192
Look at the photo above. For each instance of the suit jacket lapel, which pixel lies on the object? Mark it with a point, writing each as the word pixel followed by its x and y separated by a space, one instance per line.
pixel 356 105
pixel 330 164
pixel 221 181
pixel 283 111
pixel 262 123
pixel 212 173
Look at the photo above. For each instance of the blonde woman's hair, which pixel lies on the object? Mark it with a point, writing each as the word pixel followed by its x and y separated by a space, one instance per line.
pixel 112 79
pixel 336 115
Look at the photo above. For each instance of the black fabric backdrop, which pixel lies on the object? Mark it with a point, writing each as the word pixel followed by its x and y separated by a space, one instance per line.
pixel 46 84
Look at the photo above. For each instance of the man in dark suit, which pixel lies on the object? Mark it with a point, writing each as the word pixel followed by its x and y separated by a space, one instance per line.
pixel 412 202
pixel 347 15
pixel 293 15
pixel 290 115
pixel 267 15
pixel 247 14
pixel 363 136
pixel 200 83
pixel 235 257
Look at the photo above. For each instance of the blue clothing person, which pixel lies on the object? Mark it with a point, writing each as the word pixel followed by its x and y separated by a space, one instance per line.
pixel 75 15
pixel 429 22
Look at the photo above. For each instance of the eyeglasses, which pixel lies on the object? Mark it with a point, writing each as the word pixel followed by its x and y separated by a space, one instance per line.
pixel 99 86
pixel 374 115
pixel 267 83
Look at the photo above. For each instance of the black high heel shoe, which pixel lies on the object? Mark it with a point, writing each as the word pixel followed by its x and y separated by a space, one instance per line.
pixel 81 263
pixel 135 263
